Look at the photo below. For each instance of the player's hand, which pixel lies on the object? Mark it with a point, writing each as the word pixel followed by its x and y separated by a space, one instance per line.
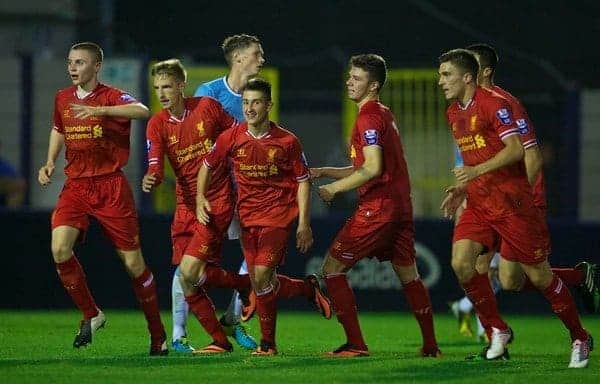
pixel 326 192
pixel 304 238
pixel 315 173
pixel 45 173
pixel 465 174
pixel 148 182
pixel 85 111
pixel 454 199
pixel 202 210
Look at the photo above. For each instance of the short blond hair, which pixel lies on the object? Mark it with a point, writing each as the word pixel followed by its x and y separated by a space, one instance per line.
pixel 171 67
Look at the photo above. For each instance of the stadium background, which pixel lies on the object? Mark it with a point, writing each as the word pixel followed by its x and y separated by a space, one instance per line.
pixel 547 60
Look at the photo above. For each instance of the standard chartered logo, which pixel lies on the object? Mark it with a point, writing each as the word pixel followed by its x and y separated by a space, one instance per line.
pixel 371 274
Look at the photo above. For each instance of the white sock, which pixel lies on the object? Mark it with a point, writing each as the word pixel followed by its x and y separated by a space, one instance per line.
pixel 179 307
pixel 237 307
pixel 480 330
pixel 465 305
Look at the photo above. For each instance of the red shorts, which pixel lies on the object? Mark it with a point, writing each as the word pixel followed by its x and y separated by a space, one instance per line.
pixel 265 246
pixel 388 241
pixel 190 237
pixel 106 198
pixel 523 237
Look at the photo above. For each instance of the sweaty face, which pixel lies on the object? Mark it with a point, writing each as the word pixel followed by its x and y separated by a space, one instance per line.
pixel 452 81
pixel 82 67
pixel 252 59
pixel 256 107
pixel 169 91
pixel 357 84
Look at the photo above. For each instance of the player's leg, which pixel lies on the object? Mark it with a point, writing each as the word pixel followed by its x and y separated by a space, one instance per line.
pixel 193 278
pixel 344 305
pixel 264 250
pixel 404 265
pixel 115 211
pixel 73 278
pixel 264 284
pixel 420 304
pixel 69 223
pixel 179 310
pixel 525 239
pixel 563 305
pixel 144 286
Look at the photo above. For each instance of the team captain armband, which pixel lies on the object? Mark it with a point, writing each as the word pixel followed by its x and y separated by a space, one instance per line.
pixel 371 137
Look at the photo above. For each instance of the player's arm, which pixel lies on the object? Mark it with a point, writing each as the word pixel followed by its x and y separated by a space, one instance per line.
pixel 217 155
pixel 155 172
pixel 511 153
pixel 304 236
pixel 125 111
pixel 371 168
pixel 533 163
pixel 55 145
pixel 331 172
pixel 202 205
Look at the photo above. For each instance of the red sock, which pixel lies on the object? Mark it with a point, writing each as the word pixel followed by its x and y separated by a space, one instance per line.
pixel 266 306
pixel 479 291
pixel 344 304
pixel 564 307
pixel 73 279
pixel 144 287
pixel 570 276
pixel 203 308
pixel 289 287
pixel 420 303
pixel 217 277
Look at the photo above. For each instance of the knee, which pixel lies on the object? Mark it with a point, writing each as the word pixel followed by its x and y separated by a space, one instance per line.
pixel 190 272
pixel 463 269
pixel 61 250
pixel 133 262
pixel 332 266
pixel 511 283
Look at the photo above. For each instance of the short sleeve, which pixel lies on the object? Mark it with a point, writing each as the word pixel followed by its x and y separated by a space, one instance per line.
pixel 220 150
pixel 502 118
pixel 204 90
pixel 298 162
pixel 58 123
pixel 370 130
pixel 118 97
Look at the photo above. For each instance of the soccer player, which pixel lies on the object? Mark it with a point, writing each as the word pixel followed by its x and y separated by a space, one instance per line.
pixel 185 131
pixel 382 224
pixel 582 276
pixel 500 205
pixel 245 57
pixel 273 190
pixel 93 120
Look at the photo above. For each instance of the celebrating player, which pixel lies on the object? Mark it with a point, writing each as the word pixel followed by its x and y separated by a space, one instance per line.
pixel 382 224
pixel 185 131
pixel 92 121
pixel 500 205
pixel 244 56
pixel 273 190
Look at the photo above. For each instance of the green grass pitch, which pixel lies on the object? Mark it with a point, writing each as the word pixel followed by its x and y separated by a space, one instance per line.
pixel 36 348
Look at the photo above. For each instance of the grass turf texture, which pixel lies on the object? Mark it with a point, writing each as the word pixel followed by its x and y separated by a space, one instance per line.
pixel 36 346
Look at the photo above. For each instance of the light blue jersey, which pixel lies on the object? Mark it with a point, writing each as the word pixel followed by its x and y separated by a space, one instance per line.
pixel 219 89
pixel 458 160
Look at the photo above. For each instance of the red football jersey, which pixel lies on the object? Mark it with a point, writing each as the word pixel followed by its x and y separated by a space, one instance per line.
pixel 479 128
pixel 386 197
pixel 96 145
pixel 267 170
pixel 185 142
pixel 528 138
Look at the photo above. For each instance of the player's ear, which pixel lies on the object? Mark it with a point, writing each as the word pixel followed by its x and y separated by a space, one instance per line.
pixel 374 86
pixel 487 72
pixel 468 77
pixel 269 105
